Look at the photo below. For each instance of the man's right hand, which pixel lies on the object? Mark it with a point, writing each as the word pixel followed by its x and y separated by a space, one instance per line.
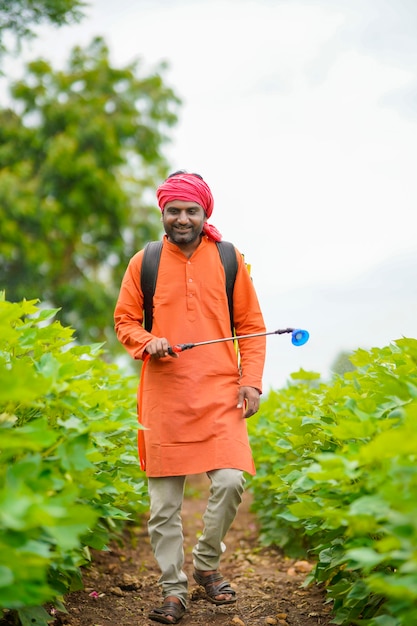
pixel 159 347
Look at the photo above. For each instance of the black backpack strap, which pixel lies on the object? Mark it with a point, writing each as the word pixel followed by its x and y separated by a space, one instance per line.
pixel 228 257
pixel 148 274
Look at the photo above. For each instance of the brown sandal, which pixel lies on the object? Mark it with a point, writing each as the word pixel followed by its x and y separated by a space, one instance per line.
pixel 212 589
pixel 169 609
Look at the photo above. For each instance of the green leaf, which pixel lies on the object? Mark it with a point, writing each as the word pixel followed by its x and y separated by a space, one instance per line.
pixel 365 558
pixel 373 506
pixel 73 453
pixel 34 616
pixel 21 384
pixel 68 530
pixel 6 576
pixel 34 436
pixel 385 620
pixel 305 509
pixel 45 314
pixel 305 375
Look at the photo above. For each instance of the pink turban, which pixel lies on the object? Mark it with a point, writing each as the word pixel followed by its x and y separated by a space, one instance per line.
pixel 189 188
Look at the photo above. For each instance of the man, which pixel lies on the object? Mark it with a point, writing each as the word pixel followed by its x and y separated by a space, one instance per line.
pixel 194 404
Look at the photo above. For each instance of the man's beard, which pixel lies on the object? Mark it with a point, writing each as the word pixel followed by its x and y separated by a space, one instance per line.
pixel 183 237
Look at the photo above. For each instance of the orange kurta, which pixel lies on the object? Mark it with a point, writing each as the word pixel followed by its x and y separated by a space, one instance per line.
pixel 189 404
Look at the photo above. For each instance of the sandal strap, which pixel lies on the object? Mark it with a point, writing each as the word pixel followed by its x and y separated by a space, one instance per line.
pixel 208 582
pixel 171 609
pixel 224 587
pixel 168 607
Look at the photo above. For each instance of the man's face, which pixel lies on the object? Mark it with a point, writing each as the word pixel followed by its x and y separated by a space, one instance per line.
pixel 183 221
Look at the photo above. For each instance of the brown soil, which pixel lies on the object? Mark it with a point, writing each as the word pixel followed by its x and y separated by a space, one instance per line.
pixel 121 585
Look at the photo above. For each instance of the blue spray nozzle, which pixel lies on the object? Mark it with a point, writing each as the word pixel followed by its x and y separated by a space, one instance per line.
pixel 299 337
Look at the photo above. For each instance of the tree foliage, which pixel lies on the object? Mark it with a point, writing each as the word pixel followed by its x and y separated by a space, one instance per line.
pixel 18 17
pixel 79 155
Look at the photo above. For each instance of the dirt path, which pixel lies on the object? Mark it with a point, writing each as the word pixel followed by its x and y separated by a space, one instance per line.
pixel 121 586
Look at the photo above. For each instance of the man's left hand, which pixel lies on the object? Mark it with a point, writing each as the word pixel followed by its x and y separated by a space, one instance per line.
pixel 248 397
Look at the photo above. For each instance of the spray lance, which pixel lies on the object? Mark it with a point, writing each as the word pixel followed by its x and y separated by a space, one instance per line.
pixel 298 338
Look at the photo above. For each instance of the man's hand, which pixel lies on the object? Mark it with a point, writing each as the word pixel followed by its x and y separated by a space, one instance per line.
pixel 159 347
pixel 249 397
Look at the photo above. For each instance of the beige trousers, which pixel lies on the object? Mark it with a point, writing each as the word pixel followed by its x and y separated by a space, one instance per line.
pixel 165 526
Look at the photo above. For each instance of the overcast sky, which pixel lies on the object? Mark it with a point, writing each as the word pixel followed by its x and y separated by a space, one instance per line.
pixel 302 117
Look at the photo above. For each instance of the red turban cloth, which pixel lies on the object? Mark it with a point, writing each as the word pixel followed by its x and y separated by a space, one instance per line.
pixel 189 188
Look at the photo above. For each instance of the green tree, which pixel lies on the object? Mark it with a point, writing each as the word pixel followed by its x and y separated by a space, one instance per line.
pixel 18 17
pixel 79 155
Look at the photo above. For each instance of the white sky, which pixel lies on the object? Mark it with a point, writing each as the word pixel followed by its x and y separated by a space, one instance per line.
pixel 302 117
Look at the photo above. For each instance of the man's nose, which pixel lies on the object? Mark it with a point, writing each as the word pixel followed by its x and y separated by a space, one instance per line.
pixel 183 217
